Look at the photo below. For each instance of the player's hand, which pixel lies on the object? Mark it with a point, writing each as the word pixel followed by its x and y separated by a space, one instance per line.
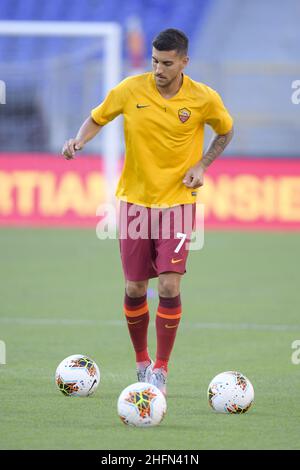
pixel 194 177
pixel 70 147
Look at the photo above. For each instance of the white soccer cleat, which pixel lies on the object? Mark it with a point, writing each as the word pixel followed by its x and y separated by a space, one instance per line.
pixel 144 373
pixel 159 379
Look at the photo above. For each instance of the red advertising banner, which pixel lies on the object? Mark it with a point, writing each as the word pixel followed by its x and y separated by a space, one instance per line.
pixel 244 193
pixel 238 193
pixel 39 190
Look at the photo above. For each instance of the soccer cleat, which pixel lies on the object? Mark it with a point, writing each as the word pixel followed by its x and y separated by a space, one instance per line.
pixel 144 373
pixel 159 379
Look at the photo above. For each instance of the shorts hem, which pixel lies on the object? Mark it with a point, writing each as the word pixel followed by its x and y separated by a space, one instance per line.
pixel 162 271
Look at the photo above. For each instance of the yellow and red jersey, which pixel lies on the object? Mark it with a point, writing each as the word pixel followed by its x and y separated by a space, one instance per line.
pixel 163 137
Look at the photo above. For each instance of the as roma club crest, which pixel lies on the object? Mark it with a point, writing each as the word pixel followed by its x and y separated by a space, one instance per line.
pixel 184 114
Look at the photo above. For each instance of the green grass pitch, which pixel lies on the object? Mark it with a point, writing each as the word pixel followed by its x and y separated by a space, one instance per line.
pixel 62 294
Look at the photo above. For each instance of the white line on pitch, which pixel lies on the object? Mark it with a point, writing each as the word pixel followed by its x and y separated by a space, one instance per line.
pixel 185 324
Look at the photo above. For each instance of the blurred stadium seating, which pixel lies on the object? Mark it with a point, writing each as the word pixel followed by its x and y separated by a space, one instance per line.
pixel 47 75
pixel 155 15
pixel 249 51
pixel 246 50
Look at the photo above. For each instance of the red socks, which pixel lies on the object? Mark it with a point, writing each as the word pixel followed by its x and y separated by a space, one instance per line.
pixel 137 316
pixel 167 321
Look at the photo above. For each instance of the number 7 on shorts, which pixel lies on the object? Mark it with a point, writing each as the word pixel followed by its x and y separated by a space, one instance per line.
pixel 182 237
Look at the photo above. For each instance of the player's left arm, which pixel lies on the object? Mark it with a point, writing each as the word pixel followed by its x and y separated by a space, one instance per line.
pixel 195 175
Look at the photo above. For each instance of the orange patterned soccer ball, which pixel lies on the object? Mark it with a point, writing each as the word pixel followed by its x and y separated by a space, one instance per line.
pixel 141 404
pixel 230 392
pixel 77 376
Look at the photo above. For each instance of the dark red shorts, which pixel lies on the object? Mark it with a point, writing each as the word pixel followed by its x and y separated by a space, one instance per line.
pixel 154 241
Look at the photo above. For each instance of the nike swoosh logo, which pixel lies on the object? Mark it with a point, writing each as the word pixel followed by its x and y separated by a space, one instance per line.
pixel 133 322
pixel 142 106
pixel 171 326
pixel 95 381
pixel 174 261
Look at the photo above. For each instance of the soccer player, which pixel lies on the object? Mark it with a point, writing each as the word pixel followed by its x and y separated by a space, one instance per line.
pixel 164 116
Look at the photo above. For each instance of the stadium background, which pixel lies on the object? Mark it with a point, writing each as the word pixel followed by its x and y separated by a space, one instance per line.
pixel 59 283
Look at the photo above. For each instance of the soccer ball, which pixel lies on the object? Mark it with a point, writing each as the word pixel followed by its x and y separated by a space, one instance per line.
pixel 230 392
pixel 141 404
pixel 77 376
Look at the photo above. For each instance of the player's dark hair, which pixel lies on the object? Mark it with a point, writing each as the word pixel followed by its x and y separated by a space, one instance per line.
pixel 171 40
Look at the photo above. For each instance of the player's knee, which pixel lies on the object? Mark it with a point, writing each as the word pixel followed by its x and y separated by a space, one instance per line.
pixel 136 289
pixel 168 287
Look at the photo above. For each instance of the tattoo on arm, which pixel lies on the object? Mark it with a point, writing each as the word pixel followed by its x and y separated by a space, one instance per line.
pixel 217 146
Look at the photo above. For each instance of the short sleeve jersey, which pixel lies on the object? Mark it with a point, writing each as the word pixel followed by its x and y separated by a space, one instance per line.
pixel 163 137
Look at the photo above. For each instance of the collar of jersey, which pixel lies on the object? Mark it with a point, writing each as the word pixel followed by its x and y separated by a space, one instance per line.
pixel 173 97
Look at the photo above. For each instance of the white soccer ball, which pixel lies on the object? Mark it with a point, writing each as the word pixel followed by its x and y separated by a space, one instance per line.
pixel 141 404
pixel 230 392
pixel 77 376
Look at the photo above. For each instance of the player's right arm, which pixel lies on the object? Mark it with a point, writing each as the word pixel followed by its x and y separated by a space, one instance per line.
pixel 87 131
pixel 110 108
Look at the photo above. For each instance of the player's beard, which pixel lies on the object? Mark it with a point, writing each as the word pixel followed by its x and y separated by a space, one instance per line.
pixel 167 82
pixel 164 83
